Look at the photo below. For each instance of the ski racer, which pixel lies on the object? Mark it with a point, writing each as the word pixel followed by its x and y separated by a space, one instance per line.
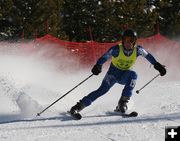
pixel 123 57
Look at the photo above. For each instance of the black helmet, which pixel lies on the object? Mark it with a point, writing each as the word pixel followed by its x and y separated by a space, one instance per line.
pixel 129 33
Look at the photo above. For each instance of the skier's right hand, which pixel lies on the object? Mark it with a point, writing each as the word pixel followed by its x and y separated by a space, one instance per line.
pixel 96 69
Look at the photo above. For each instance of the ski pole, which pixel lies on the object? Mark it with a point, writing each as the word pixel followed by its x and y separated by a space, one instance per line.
pixel 38 114
pixel 147 83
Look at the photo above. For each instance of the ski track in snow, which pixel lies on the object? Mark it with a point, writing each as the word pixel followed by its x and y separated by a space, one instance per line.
pixel 28 84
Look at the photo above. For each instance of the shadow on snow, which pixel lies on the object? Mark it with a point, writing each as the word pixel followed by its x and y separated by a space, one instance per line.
pixel 5 119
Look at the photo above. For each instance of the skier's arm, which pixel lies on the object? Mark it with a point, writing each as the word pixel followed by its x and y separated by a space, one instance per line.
pixel 113 51
pixel 161 68
pixel 142 52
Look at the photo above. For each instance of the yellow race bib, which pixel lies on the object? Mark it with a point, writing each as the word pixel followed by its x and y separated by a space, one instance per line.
pixel 124 62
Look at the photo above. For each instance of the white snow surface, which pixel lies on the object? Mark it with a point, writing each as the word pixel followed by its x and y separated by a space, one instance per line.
pixel 29 83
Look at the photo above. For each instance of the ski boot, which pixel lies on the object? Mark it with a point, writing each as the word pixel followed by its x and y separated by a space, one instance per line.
pixel 74 111
pixel 77 108
pixel 122 104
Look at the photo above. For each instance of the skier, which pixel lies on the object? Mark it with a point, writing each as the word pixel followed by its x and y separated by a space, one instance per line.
pixel 123 57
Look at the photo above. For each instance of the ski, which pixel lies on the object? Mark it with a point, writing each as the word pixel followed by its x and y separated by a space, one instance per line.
pixel 76 116
pixel 125 115
pixel 132 114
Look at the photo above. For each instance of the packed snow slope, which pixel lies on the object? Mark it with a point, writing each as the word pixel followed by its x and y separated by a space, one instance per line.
pixel 31 82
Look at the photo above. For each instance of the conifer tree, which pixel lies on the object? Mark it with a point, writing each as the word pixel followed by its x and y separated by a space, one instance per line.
pixel 6 23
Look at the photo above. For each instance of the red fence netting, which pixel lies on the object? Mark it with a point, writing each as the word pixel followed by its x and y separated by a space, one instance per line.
pixel 89 52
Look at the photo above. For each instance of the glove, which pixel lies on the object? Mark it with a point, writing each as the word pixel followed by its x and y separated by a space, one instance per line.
pixel 160 68
pixel 96 69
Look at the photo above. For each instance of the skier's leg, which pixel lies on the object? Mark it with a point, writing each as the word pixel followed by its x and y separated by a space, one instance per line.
pixel 107 83
pixel 127 91
pixel 130 84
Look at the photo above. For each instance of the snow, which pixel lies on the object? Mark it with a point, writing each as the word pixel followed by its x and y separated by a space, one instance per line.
pixel 30 83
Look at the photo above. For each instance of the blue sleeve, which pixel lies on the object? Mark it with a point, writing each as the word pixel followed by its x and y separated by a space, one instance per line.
pixel 150 58
pixel 113 51
pixel 142 52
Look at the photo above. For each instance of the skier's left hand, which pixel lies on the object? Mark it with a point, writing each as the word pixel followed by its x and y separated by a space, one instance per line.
pixel 160 68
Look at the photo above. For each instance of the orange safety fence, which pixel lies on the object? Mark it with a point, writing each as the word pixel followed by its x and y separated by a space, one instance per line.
pixel 89 52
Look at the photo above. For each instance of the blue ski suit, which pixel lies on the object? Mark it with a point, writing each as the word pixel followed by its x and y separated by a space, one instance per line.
pixel 116 75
